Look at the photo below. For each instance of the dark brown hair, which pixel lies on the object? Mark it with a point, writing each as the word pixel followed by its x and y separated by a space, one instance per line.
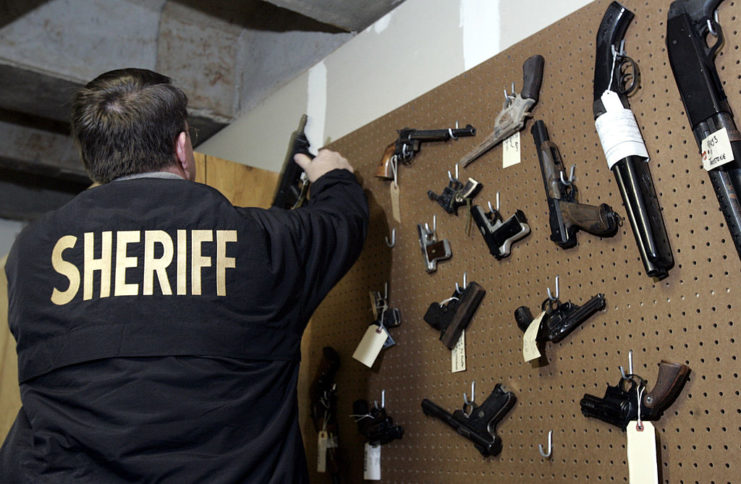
pixel 126 121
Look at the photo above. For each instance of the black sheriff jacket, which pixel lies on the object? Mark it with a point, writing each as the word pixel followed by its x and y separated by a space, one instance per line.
pixel 158 331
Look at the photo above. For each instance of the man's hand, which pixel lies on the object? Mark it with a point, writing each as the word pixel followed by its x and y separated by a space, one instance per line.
pixel 324 162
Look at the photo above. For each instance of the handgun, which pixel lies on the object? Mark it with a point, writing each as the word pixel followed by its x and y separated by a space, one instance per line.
pixel 620 404
pixel 616 76
pixel 456 194
pixel 375 424
pixel 454 316
pixel 515 111
pixel 294 184
pixel 500 234
pixel 477 423
pixel 560 318
pixel 409 142
pixel 566 214
pixel 690 26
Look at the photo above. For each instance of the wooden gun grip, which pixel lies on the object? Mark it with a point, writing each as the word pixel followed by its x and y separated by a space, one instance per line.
pixel 384 168
pixel 669 383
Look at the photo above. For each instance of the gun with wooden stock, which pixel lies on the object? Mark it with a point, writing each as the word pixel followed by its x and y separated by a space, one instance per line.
pixel 689 24
pixel 616 77
pixel 409 142
pixel 566 214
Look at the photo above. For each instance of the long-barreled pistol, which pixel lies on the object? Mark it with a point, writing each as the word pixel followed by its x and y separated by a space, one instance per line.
pixel 620 404
pixel 515 111
pixel 566 214
pixel 477 423
pixel 294 184
pixel 690 26
pixel 409 142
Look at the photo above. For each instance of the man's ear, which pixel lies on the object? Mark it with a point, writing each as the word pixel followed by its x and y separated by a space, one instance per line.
pixel 181 149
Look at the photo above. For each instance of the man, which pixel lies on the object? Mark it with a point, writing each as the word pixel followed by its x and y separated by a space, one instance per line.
pixel 158 327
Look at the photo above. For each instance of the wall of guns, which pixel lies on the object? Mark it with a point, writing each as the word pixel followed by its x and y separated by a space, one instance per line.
pixel 582 326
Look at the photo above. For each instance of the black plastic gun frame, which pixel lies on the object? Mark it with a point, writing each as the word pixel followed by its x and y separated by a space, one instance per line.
pixel 454 316
pixel 499 235
pixel 456 194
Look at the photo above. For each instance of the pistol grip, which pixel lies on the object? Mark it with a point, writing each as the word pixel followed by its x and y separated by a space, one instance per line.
pixel 384 167
pixel 669 383
pixel 599 220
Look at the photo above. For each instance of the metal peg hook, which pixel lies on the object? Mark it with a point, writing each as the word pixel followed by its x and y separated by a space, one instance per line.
pixel 550 446
pixel 451 133
pixel 630 366
pixel 473 397
pixel 391 243
pixel 552 298
pixel 571 176
pixel 458 290
pixel 710 24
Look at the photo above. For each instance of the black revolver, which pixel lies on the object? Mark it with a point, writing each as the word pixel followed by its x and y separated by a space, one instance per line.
pixel 409 142
pixel 691 24
pixel 616 77
pixel 294 184
pixel 620 403
pixel 560 318
pixel 567 216
pixel 477 423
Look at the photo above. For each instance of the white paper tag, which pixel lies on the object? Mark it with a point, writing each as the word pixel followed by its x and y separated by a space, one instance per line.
pixel 618 131
pixel 529 345
pixel 371 344
pixel 458 354
pixel 716 150
pixel 395 210
pixel 372 463
pixel 321 454
pixel 642 461
pixel 511 150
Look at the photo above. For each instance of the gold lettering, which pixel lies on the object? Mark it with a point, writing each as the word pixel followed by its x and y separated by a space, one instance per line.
pixel 152 265
pixel 198 237
pixel 182 262
pixel 223 262
pixel 65 268
pixel 103 265
pixel 123 262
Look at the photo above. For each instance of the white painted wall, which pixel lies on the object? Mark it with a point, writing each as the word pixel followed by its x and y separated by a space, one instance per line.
pixel 415 48
pixel 8 231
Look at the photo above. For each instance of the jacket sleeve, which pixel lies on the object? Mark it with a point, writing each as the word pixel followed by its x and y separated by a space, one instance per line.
pixel 324 237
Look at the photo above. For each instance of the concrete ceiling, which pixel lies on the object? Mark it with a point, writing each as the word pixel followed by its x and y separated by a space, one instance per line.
pixel 227 55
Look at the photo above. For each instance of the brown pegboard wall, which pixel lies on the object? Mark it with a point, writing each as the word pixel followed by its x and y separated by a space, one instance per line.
pixel 690 317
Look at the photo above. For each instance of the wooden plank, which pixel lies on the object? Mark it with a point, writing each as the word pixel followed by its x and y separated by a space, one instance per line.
pixel 243 185
pixel 10 395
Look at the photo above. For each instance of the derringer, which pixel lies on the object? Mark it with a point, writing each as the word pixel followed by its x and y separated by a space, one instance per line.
pixel 620 403
pixel 477 423
pixel 294 184
pixel 566 215
pixel 616 77
pixel 515 111
pixel 455 315
pixel 689 24
pixel 409 142
pixel 560 318
pixel 433 250
pixel 500 234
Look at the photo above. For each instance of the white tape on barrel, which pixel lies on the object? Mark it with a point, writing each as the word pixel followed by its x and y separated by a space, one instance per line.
pixel 618 131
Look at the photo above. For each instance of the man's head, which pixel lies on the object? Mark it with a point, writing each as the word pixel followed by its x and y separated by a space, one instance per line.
pixel 131 121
